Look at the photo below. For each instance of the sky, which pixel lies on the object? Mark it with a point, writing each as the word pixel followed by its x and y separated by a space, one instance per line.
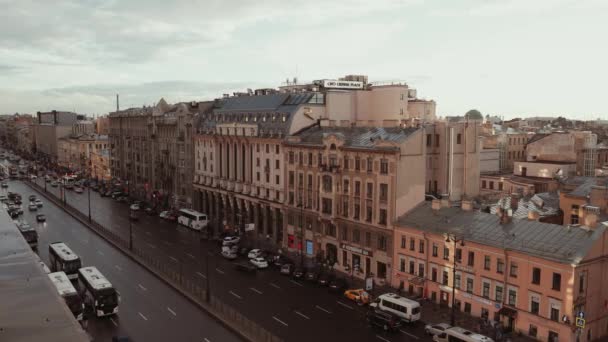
pixel 513 58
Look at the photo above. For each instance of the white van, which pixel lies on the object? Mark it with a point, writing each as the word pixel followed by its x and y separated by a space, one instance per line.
pixel 406 309
pixel 192 219
pixel 458 334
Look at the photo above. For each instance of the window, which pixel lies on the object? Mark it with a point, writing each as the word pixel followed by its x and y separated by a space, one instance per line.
pixel 357 188
pixel 368 239
pixel 491 185
pixel 382 243
pixel 445 278
pixel 486 262
pixel 403 242
pixel 343 233
pixel 291 157
pixel 402 265
pixel 485 290
pixel 467 307
pixel 345 186
pixel 500 186
pixel 370 164
pixel 574 214
pixel 278 179
pixel 435 250
pixel 368 213
pixel 513 270
pixel 291 179
pixel 382 217
pixel 458 255
pixel 429 139
pixel 458 138
pixel 383 192
pixel 370 190
pixel 276 149
pixel 345 207
pixel 412 266
pixel 500 266
pixel 471 260
pixel 412 244
pixel 345 163
pixel 357 211
pixel 470 285
pixel 357 164
pixel 446 253
pixel 581 283
pixel 326 206
pixel 434 274
pixel 309 159
pixel 383 166
pixel 554 316
pixel 277 164
pixel 421 270
pixel 532 331
pixel 498 293
pixel 457 281
pixel 557 282
pixel 421 246
pixel 534 304
pixel 512 300
pixel 356 236
pixel 436 140
pixel 536 276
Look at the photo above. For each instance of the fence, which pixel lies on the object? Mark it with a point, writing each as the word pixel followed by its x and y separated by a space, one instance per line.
pixel 193 290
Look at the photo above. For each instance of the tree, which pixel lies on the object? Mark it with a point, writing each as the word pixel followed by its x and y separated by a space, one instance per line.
pixel 473 114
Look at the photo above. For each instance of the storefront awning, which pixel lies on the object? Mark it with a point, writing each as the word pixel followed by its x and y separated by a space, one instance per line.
pixel 505 311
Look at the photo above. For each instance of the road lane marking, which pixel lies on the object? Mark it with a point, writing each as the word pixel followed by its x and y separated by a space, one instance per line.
pixel 190 255
pixel 151 245
pixel 142 316
pixel 322 309
pixel 113 322
pixel 172 258
pixel 206 339
pixel 236 295
pixel 100 253
pixel 142 287
pixel 118 267
pixel 295 282
pixel 171 311
pixel 278 320
pixel 408 334
pixel 382 338
pixel 255 290
pixel 301 314
pixel 201 275
pixel 220 271
pixel 275 285
pixel 344 305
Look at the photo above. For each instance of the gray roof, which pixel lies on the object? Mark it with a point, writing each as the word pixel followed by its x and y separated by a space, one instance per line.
pixel 545 204
pixel 584 189
pixel 537 137
pixel 33 309
pixel 356 137
pixel 544 240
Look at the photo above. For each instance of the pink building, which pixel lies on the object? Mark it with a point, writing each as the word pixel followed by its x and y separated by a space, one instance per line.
pixel 533 277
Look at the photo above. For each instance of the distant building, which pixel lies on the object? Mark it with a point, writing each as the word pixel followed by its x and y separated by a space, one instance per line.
pixel 102 125
pixel 48 129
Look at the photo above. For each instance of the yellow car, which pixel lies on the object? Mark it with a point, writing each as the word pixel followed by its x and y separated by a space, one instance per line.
pixel 359 296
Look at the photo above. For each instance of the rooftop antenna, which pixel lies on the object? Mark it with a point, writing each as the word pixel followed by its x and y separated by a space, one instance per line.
pixel 117 103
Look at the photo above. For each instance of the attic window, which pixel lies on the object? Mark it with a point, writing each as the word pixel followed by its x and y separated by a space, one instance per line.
pixel 255 118
pixel 273 117
pixel 284 118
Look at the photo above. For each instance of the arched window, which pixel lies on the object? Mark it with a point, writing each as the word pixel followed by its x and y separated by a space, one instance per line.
pixel 332 147
pixel 327 183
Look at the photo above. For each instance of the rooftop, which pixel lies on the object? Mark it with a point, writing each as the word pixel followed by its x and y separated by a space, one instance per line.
pixel 548 241
pixel 545 204
pixel 355 137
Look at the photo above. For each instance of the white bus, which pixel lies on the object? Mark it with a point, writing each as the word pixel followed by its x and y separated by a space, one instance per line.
pixel 406 309
pixel 63 259
pixel 97 291
pixel 68 181
pixel 458 334
pixel 192 219
pixel 68 292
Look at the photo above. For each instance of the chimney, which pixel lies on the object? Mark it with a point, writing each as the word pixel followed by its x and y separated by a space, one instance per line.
pixel 506 216
pixel 466 205
pixel 436 204
pixel 591 216
pixel 515 201
pixel 533 215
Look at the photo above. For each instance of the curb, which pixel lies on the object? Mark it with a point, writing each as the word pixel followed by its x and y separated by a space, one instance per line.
pixel 217 318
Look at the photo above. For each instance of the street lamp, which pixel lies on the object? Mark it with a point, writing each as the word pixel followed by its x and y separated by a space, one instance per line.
pixel 453 238
pixel 207 274
pixel 130 230
pixel 301 205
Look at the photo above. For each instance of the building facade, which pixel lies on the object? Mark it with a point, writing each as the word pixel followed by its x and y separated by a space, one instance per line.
pixel 76 152
pixel 48 129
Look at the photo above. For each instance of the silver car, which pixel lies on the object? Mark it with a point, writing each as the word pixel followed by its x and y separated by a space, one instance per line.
pixel 435 329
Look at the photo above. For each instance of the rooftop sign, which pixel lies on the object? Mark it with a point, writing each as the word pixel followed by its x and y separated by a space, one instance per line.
pixel 342 84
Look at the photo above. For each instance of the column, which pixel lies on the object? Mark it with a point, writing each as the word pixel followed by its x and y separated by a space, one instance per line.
pixel 275 224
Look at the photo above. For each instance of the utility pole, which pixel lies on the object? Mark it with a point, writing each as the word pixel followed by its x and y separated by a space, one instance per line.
pixel 455 240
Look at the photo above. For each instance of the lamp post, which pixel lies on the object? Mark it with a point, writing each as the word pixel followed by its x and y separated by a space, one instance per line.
pixel 130 231
pixel 301 205
pixel 455 239
pixel 207 288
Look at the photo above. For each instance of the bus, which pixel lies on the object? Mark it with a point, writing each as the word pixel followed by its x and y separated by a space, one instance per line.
pixel 458 334
pixel 406 309
pixel 192 219
pixel 29 234
pixel 68 293
pixel 98 292
pixel 63 259
pixel 69 181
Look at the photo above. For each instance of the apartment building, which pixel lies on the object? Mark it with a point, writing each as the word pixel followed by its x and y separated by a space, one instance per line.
pixel 587 204
pixel 48 129
pixel 510 143
pixel 76 152
pixel 151 148
pixel 345 188
pixel 533 277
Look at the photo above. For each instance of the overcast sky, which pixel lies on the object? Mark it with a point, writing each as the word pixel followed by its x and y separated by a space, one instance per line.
pixel 503 57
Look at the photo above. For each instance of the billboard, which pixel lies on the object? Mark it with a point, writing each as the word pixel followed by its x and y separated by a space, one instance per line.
pixel 342 84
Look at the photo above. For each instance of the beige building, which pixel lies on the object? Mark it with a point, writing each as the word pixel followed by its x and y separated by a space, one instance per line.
pixel 102 125
pixel 100 165
pixel 48 129
pixel 511 145
pixel 579 147
pixel 76 152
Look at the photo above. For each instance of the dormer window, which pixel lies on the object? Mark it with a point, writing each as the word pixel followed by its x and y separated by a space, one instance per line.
pixel 255 118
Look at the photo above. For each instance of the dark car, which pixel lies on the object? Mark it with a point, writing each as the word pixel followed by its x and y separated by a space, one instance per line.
pixel 325 279
pixel 32 198
pixel 312 275
pixel 40 218
pixel 18 201
pixel 150 211
pixel 282 260
pixel 338 285
pixel 382 319
pixel 298 273
pixel 243 251
pixel 116 194
pixel 14 214
pixel 287 269
pixel 245 267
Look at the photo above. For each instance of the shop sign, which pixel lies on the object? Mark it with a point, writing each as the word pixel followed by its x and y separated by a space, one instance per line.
pixel 356 250
pixel 249 227
pixel 342 84
pixel 309 249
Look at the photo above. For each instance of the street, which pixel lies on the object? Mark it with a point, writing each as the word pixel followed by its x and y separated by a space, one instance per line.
pixel 293 310
pixel 149 309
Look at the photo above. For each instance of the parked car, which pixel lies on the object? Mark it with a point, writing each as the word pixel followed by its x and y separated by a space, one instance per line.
pixel 4 184
pixel 3 198
pixel 38 203
pixel 54 184
pixel 229 254
pixel 259 262
pixel 40 218
pixel 32 198
pixel 338 285
pixel 254 253
pixel 281 260
pixel 243 251
pixel 168 215
pixel 245 267
pixel 13 213
pixel 287 269
pixel 116 194
pixel 78 190
pixel 32 206
pixel 231 240
pixel 298 272
pixel 359 296
pixel 382 319
pixel 150 211
pixel 325 278
pixel 312 275
pixel 436 329
pixel 133 215
pixel 134 207
pixel 122 199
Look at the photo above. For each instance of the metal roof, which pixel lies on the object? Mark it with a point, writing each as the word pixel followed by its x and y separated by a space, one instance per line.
pixel 32 307
pixel 544 240
pixel 357 137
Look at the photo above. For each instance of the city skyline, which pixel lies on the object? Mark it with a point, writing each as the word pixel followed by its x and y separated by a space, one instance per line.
pixel 495 56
